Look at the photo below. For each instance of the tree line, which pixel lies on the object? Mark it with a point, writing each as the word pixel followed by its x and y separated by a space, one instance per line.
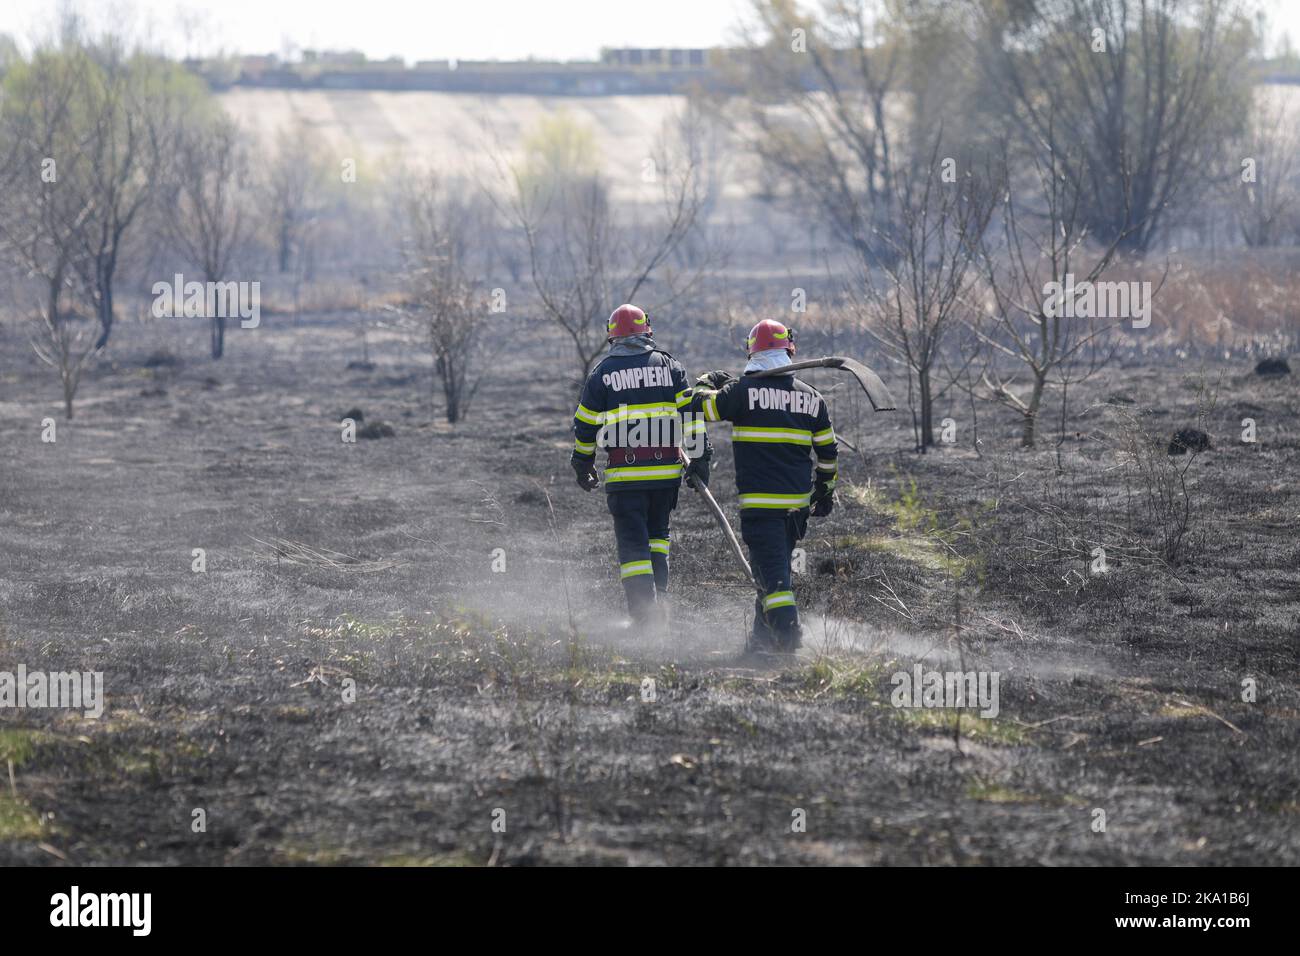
pixel 962 154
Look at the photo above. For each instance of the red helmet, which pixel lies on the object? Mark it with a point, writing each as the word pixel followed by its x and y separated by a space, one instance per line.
pixel 770 334
pixel 627 320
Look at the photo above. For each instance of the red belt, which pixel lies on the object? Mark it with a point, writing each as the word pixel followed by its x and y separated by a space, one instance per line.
pixel 630 456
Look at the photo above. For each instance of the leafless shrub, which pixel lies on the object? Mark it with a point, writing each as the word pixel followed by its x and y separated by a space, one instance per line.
pixel 444 296
pixel 1039 537
pixel 1040 246
pixel 68 345
pixel 928 275
pixel 1159 501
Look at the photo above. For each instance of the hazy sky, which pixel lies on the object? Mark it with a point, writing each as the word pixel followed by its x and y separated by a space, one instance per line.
pixel 412 29
pixel 426 29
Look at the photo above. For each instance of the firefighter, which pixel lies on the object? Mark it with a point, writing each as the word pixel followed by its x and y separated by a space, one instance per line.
pixel 634 405
pixel 781 438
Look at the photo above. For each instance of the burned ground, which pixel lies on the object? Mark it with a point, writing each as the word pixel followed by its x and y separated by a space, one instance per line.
pixel 521 690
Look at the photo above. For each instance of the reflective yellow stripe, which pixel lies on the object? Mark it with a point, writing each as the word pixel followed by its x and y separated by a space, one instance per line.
pixel 585 414
pixel 644 405
pixel 643 473
pixel 824 437
pixel 632 568
pixel 824 464
pixel 791 436
pixel 648 410
pixel 584 447
pixel 683 397
pixel 774 501
pixel 693 426
pixel 659 545
pixel 778 599
pixel 711 408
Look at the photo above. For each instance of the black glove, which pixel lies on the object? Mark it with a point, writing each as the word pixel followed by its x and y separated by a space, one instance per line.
pixel 823 501
pixel 715 380
pixel 697 469
pixel 586 472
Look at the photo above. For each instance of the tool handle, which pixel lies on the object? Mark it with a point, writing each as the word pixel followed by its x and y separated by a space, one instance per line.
pixel 828 362
pixel 721 518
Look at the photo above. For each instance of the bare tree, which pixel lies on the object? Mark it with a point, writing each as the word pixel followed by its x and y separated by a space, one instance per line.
pixel 132 105
pixel 42 216
pixel 586 255
pixel 9 53
pixel 1268 186
pixel 1030 276
pixel 818 88
pixel 209 224
pixel 292 190
pixel 442 222
pixel 1151 91
pixel 926 277
pixel 66 344
pixel 106 118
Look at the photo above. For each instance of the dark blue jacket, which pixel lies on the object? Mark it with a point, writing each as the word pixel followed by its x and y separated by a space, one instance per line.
pixel 779 423
pixel 633 407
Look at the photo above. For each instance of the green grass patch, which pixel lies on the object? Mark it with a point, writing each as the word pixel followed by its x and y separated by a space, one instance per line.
pixel 842 677
pixel 929 553
pixel 991 792
pixel 996 793
pixel 145 763
pixel 17 746
pixel 920 535
pixel 151 762
pixel 293 714
pixel 993 730
pixel 1181 710
pixel 18 821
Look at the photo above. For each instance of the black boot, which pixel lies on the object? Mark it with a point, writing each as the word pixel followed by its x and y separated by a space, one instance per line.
pixel 761 640
pixel 789 639
pixel 650 619
pixel 640 592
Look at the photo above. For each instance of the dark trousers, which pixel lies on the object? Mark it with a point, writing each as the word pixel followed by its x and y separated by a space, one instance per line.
pixel 641 519
pixel 770 536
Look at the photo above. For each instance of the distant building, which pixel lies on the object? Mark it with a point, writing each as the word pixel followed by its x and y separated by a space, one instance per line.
pixel 258 64
pixel 343 58
pixel 623 71
pixel 678 59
